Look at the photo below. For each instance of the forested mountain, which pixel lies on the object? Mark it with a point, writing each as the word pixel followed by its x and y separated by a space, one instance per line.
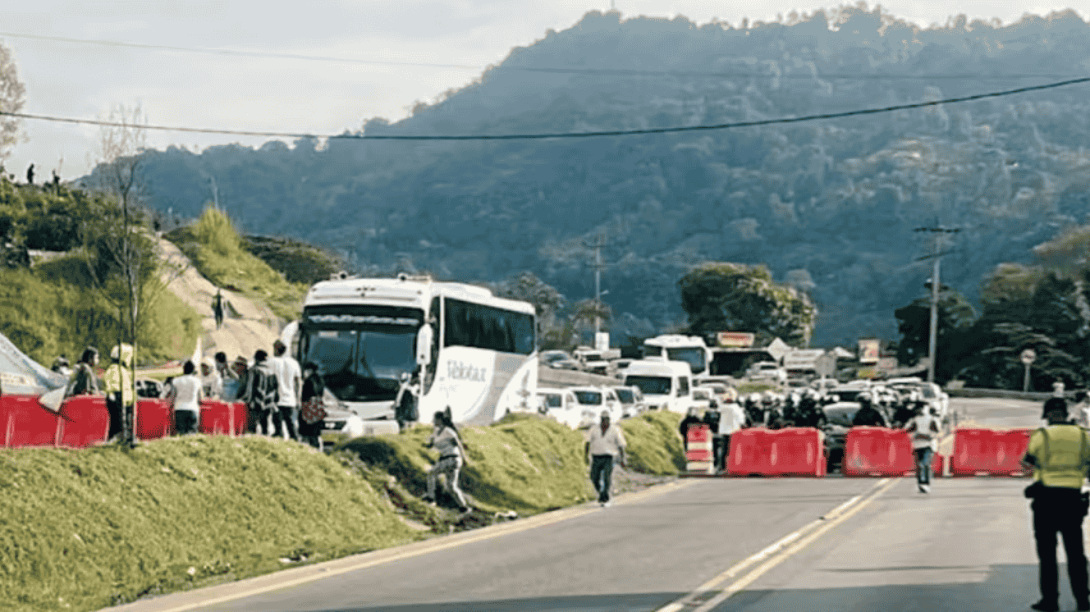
pixel 829 205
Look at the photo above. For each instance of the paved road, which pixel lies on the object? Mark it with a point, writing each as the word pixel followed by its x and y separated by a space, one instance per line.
pixel 965 547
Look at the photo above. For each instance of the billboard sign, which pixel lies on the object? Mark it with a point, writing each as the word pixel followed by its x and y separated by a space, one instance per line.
pixel 805 360
pixel 869 350
pixel 735 339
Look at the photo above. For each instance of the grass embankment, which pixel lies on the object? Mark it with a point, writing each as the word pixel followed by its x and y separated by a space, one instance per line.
pixel 91 528
pixel 218 253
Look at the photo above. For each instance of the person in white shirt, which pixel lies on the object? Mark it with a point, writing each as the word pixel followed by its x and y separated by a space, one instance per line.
pixel 187 395
pixel 925 431
pixel 605 443
pixel 289 376
pixel 211 381
pixel 452 455
pixel 731 420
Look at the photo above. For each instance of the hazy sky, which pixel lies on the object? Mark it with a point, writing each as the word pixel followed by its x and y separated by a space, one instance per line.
pixel 216 91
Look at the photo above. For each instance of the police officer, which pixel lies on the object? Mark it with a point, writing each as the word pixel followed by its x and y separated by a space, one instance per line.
pixel 1060 455
pixel 868 415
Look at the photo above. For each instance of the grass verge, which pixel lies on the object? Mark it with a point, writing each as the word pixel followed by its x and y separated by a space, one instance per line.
pixel 103 526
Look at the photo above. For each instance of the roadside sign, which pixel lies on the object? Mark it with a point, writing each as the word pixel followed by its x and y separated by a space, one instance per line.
pixel 735 339
pixel 803 359
pixel 869 350
pixel 887 364
pixel 826 364
pixel 778 348
pixel 1028 356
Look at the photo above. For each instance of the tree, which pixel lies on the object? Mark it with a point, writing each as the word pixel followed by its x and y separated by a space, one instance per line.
pixel 720 296
pixel 956 318
pixel 11 101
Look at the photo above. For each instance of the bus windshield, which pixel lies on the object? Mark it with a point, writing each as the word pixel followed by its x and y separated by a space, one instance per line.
pixel 361 355
pixel 693 355
pixel 649 385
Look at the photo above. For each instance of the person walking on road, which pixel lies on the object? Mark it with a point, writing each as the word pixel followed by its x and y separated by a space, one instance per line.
pixel 1059 455
pixel 1080 410
pixel 925 430
pixel 452 456
pixel 732 419
pixel 187 400
pixel 692 418
pixel 605 444
pixel 262 390
pixel 289 377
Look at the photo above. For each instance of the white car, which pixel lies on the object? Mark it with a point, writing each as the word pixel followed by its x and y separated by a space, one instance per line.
pixel 767 371
pixel 591 401
pixel 721 392
pixel 631 399
pixel 704 398
pixel 560 405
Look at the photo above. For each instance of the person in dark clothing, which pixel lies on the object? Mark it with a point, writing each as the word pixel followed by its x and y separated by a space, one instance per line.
pixel 690 419
pixel 1060 456
pixel 712 416
pixel 406 404
pixel 261 392
pixel 312 416
pixel 217 308
pixel 30 175
pixel 868 415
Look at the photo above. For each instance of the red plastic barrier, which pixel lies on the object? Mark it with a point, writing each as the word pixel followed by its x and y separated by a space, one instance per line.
pixel 878 451
pixel 698 450
pixel 223 418
pixel 989 451
pixel 795 451
pixel 27 423
pixel 938 465
pixel 84 421
pixel 154 419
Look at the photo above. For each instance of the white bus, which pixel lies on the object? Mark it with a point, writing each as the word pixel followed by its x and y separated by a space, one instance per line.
pixel 675 347
pixel 476 353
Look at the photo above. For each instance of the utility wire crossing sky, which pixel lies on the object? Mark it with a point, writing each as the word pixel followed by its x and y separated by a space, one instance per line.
pixel 541 136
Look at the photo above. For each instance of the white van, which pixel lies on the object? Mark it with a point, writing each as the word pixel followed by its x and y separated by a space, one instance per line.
pixel 666 385
pixel 560 405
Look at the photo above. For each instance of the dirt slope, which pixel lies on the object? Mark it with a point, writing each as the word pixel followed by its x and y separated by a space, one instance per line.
pixel 247 325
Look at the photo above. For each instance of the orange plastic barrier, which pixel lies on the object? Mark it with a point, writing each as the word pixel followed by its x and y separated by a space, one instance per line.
pixel 154 419
pixel 878 451
pixel 698 453
pixel 84 421
pixel 223 418
pixel 26 422
pixel 989 452
pixel 795 451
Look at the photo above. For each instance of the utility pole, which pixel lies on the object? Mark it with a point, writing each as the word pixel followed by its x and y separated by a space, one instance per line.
pixel 932 341
pixel 597 245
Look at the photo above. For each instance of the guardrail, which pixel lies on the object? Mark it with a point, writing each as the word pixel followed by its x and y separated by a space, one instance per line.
pixel 550 377
pixel 1032 396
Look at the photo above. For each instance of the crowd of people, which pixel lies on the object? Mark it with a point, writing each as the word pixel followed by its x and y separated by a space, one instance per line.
pixel 282 398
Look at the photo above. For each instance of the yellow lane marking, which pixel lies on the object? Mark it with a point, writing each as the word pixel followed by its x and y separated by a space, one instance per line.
pixel 829 520
pixel 193 600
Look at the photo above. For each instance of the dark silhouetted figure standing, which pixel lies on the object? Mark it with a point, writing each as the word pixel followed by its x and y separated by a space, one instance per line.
pixel 217 308
pixel 56 182
pixel 30 175
pixel 1059 454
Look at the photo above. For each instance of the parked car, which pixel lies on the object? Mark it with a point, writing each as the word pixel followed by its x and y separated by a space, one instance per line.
pixel 666 385
pixel 722 392
pixel 560 405
pixel 149 388
pixel 931 393
pixel 592 361
pixel 704 398
pixel 558 360
pixel 769 371
pixel 592 401
pixel 631 399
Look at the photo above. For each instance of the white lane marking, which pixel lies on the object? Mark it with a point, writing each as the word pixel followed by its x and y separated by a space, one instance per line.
pixel 772 549
pixel 751 577
pixel 276 581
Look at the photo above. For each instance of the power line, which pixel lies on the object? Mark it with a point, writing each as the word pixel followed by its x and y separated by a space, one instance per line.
pixel 538 69
pixel 546 135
